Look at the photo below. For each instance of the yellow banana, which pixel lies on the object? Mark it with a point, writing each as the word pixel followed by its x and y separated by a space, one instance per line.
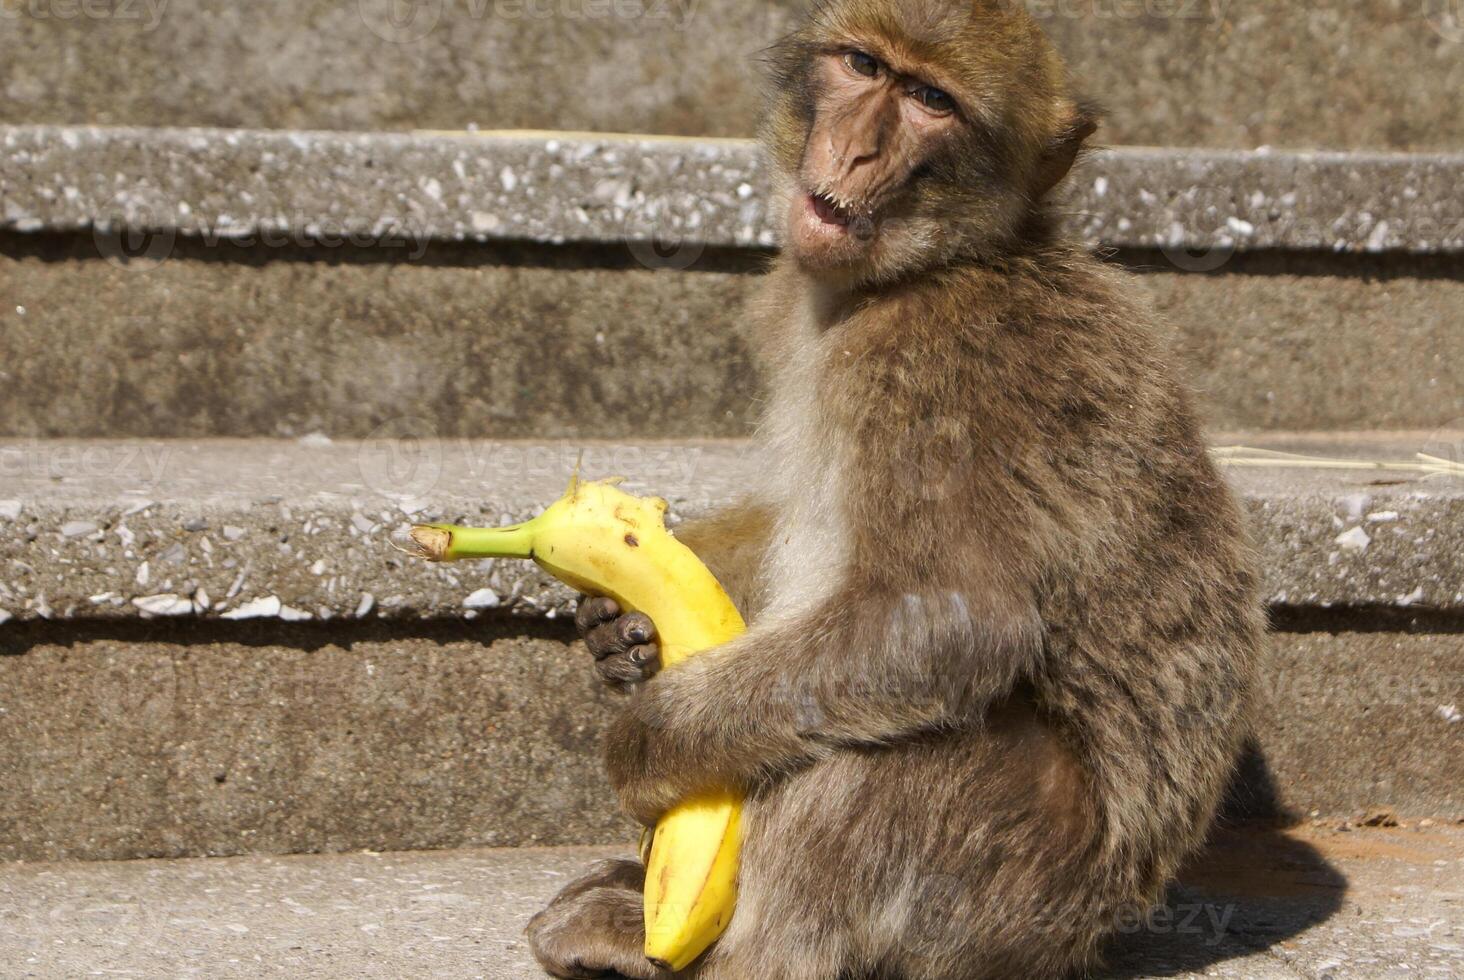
pixel 601 540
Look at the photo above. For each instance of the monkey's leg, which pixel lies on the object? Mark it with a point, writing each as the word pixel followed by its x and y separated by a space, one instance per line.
pixel 595 926
pixel 789 923
pixel 958 857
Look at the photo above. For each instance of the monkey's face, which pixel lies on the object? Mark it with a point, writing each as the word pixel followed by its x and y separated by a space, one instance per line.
pixel 911 131
pixel 874 127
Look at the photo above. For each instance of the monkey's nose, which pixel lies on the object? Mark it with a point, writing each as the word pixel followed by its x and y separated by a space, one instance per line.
pixel 848 154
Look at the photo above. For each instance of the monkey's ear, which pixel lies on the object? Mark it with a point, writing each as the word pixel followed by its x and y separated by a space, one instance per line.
pixel 1082 121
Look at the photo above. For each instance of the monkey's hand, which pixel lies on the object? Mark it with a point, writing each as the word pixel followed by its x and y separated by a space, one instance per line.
pixel 862 671
pixel 624 647
pixel 692 730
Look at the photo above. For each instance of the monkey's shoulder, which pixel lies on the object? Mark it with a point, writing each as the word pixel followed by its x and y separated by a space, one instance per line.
pixel 1024 328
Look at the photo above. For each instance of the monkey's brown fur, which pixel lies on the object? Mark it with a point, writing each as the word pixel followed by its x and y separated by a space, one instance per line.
pixel 1007 625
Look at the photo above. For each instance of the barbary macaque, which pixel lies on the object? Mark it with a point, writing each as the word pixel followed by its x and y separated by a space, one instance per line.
pixel 1003 616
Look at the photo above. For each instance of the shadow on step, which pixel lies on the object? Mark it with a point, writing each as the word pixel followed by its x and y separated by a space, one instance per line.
pixel 1251 887
pixel 22 637
pixel 251 251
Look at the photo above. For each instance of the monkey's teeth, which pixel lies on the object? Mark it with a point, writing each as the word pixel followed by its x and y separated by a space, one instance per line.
pixel 828 210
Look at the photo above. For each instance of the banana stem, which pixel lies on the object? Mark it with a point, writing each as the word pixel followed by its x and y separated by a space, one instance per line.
pixel 448 542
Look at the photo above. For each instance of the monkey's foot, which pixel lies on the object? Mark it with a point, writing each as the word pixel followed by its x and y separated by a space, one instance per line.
pixel 594 928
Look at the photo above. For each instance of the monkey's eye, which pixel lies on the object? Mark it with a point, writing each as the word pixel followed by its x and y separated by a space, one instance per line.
pixel 862 63
pixel 935 100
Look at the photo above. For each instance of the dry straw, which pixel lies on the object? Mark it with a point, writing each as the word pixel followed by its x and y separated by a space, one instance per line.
pixel 1251 456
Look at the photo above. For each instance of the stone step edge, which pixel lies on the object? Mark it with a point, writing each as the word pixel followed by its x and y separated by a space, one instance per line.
pixel 280 186
pixel 300 530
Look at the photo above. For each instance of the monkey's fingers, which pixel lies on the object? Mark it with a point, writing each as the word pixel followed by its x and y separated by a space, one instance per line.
pixel 619 635
pixel 593 611
pixel 637 664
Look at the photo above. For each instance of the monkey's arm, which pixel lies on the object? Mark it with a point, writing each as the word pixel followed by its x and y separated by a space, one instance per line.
pixel 732 542
pixel 864 669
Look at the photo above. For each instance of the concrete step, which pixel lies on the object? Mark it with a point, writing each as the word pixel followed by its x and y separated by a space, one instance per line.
pixel 1256 905
pixel 508 341
pixel 1202 72
pixel 556 187
pixel 267 284
pixel 212 648
pixel 108 529
pixel 181 738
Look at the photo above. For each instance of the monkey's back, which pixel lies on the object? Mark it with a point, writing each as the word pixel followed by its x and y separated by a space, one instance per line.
pixel 1020 427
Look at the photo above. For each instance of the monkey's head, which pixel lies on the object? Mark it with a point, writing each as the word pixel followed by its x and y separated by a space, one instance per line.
pixel 909 132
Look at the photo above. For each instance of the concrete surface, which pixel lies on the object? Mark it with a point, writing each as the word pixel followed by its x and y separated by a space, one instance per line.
pixel 1306 905
pixel 475 340
pixel 565 187
pixel 514 341
pixel 1285 345
pixel 1355 721
pixel 544 187
pixel 182 738
pixel 191 741
pixel 299 530
pixel 1222 73
pixel 300 523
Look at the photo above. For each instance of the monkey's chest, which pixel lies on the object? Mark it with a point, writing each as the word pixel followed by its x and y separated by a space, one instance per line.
pixel 809 552
pixel 807 559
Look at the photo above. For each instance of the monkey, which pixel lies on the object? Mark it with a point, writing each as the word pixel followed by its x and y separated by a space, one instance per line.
pixel 1003 612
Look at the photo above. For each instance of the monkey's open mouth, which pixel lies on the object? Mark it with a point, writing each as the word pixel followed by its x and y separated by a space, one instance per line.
pixel 828 212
